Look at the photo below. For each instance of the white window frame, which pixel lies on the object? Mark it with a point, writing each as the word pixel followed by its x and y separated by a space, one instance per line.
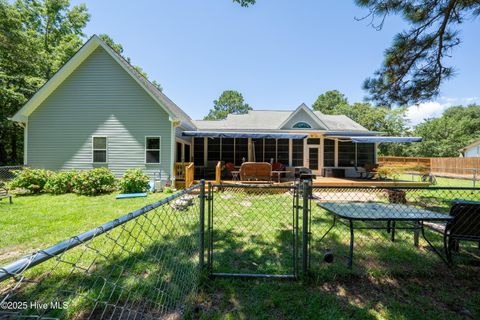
pixel 93 149
pixel 310 126
pixel 159 149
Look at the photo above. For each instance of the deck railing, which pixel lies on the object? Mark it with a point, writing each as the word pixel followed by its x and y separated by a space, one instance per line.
pixel 218 172
pixel 189 175
pixel 179 170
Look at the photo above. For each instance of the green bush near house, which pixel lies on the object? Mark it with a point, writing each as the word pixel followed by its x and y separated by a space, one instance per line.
pixel 133 181
pixel 95 181
pixel 33 180
pixel 60 182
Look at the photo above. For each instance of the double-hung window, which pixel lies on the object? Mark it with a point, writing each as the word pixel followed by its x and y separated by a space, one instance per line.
pixel 99 149
pixel 152 149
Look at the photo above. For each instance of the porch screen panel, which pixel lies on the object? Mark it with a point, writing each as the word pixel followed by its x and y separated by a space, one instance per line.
pixel 297 153
pixel 270 150
pixel 213 149
pixel 188 157
pixel 365 153
pixel 198 152
pixel 282 151
pixel 179 152
pixel 228 150
pixel 241 150
pixel 346 154
pixel 258 148
pixel 329 153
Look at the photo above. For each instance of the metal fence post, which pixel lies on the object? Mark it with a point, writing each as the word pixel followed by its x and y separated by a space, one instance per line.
pixel 305 228
pixel 202 224
pixel 210 227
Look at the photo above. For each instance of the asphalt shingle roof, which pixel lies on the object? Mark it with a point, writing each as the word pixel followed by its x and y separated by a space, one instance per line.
pixel 273 119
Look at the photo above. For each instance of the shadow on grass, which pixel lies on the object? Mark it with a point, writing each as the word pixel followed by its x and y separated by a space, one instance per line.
pixel 128 279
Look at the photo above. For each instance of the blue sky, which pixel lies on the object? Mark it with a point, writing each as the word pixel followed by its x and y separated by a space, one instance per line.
pixel 278 53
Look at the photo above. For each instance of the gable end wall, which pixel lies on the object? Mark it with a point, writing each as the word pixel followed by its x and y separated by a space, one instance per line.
pixel 98 99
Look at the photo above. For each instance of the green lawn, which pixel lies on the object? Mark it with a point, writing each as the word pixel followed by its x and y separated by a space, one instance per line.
pixel 151 262
pixel 442 182
pixel 36 222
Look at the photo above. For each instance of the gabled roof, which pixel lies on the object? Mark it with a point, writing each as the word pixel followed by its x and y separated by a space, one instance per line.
pixel 78 58
pixel 471 145
pixel 303 108
pixel 274 120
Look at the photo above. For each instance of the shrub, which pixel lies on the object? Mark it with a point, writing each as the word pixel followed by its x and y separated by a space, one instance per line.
pixel 394 171
pixel 33 180
pixel 94 181
pixel 61 182
pixel 168 190
pixel 134 180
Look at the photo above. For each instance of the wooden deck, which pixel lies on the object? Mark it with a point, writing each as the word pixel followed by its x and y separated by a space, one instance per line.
pixel 335 182
pixel 345 182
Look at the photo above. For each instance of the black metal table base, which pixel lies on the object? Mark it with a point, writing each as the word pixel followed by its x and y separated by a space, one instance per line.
pixel 391 227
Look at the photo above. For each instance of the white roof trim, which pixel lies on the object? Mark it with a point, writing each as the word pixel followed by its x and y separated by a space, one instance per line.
pixel 67 69
pixel 312 115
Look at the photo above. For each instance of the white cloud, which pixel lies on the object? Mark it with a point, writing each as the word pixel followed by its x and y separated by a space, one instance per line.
pixel 434 109
pixel 417 113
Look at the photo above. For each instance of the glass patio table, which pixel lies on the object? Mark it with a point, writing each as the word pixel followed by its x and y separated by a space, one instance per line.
pixel 388 212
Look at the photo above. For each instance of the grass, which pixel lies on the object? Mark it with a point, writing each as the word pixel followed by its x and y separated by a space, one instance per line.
pixel 388 281
pixel 151 262
pixel 442 181
pixel 39 221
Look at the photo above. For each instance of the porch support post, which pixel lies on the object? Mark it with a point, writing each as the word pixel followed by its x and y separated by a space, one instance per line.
pixel 290 148
pixel 205 151
pixel 336 153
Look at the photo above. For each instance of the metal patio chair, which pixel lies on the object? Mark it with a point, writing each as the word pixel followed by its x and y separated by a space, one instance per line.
pixel 465 226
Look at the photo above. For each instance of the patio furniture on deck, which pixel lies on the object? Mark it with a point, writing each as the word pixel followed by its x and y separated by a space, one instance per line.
pixel 348 213
pixel 303 173
pixel 464 226
pixel 279 174
pixel 367 171
pixel 334 172
pixel 259 171
pixel 235 174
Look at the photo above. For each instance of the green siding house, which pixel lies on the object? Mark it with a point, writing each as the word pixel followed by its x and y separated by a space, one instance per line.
pixel 98 111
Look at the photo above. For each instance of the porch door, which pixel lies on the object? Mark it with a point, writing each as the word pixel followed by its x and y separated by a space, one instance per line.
pixel 313 159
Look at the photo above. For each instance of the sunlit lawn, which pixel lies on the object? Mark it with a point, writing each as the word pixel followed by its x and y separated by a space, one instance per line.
pixel 253 233
pixel 36 222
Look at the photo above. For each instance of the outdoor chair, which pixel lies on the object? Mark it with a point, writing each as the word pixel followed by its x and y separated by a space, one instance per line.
pixel 367 171
pixel 4 193
pixel 465 226
pixel 259 171
pixel 278 166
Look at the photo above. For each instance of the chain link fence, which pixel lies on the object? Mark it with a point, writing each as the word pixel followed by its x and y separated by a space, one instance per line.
pixel 144 265
pixel 6 172
pixel 389 230
pixel 253 231
pixel 148 264
pixel 471 178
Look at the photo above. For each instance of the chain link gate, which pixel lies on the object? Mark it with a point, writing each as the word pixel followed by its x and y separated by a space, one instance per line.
pixel 253 231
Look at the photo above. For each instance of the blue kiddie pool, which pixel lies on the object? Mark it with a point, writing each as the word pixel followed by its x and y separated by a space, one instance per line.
pixel 131 195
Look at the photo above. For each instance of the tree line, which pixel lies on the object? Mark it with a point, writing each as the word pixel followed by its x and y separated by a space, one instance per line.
pixel 442 137
pixel 36 39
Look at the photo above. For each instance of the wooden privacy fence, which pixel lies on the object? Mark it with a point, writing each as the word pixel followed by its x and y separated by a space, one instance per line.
pixel 449 167
pixel 455 166
pixel 404 160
